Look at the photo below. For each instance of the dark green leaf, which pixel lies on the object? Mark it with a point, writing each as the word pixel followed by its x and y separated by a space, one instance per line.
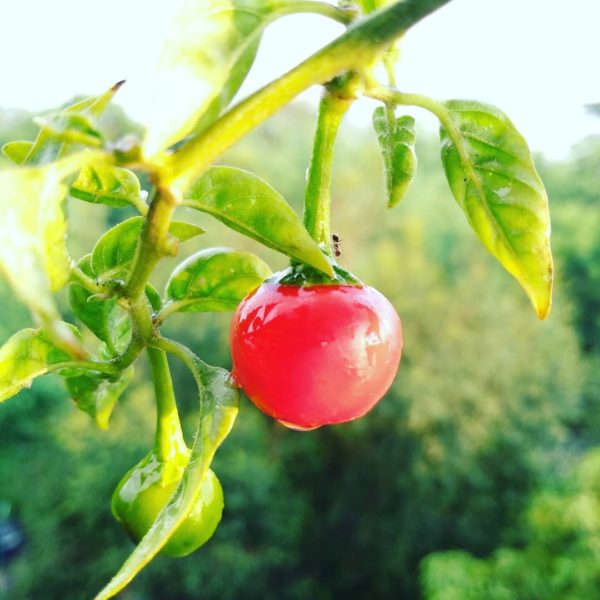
pixel 493 178
pixel 396 137
pixel 107 184
pixel 17 151
pixel 248 204
pixel 219 402
pixel 115 250
pixel 204 62
pixel 215 279
pixel 105 319
pixel 96 395
pixel 26 355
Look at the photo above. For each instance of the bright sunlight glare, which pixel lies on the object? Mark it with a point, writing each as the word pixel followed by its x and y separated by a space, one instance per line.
pixel 535 59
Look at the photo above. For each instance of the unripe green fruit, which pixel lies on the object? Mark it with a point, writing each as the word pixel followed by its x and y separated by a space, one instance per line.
pixel 147 487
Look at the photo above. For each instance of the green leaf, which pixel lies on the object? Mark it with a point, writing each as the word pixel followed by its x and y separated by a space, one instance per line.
pixel 33 252
pixel 17 151
pixel 207 56
pixel 249 205
pixel 215 279
pixel 105 319
pixel 396 136
pixel 107 184
pixel 29 353
pixel 96 395
pixel 95 105
pixel 115 250
pixel 219 403
pixel 493 178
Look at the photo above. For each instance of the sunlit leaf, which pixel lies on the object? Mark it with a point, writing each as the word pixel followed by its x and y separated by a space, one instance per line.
pixel 76 124
pixel 33 253
pixel 396 137
pixel 215 279
pixel 96 395
pixel 248 204
pixel 210 49
pixel 493 178
pixel 219 402
pixel 107 184
pixel 115 250
pixel 26 355
pixel 17 151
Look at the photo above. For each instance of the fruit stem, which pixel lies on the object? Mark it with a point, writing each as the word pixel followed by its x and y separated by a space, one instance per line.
pixel 169 442
pixel 335 102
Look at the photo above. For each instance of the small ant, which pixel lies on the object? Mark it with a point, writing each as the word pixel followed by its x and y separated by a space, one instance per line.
pixel 335 244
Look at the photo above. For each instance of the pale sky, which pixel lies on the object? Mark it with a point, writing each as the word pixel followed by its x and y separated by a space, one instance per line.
pixel 535 59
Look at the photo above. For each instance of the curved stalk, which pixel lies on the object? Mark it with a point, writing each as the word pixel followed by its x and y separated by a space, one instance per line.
pixel 169 441
pixel 317 200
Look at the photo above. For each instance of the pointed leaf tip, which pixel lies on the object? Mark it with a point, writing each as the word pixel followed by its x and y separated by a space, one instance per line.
pixel 492 177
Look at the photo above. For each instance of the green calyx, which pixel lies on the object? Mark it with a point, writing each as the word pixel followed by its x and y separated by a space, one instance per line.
pixel 302 275
pixel 146 489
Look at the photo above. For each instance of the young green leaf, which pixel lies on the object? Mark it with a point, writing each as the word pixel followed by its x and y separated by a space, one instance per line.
pixel 493 178
pixel 105 319
pixel 26 355
pixel 396 136
pixel 110 185
pixel 17 151
pixel 206 58
pixel 214 279
pixel 248 204
pixel 71 127
pixel 219 402
pixel 33 253
pixel 115 250
pixel 75 124
pixel 96 395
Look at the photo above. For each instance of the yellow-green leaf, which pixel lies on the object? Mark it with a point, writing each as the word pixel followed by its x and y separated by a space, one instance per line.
pixel 17 151
pixel 29 353
pixel 493 178
pixel 210 49
pixel 33 252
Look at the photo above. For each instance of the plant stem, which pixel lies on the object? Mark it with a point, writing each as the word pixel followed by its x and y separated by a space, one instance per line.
pixel 169 441
pixel 153 244
pixel 392 96
pixel 317 200
pixel 182 352
pixel 355 50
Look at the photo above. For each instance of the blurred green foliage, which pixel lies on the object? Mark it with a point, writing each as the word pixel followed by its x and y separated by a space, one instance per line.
pixel 489 406
pixel 560 558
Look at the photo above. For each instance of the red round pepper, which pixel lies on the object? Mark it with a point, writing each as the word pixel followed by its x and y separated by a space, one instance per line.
pixel 315 355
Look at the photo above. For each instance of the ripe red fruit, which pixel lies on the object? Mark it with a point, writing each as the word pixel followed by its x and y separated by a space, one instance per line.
pixel 315 355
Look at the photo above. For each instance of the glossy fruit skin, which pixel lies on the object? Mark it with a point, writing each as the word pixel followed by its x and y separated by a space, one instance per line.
pixel 148 486
pixel 315 355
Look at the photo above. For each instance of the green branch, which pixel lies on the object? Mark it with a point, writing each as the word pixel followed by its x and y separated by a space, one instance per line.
pixel 317 202
pixel 355 50
pixel 169 440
